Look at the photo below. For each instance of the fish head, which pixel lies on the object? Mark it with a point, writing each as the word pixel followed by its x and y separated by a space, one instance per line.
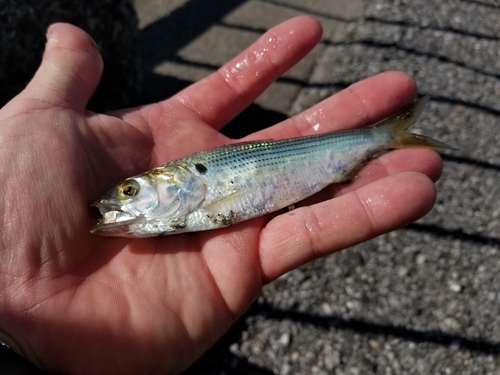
pixel 154 203
pixel 125 204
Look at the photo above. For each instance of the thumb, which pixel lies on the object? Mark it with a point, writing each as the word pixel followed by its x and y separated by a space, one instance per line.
pixel 70 71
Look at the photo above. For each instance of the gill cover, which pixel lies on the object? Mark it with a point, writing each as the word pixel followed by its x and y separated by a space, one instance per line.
pixel 156 201
pixel 179 192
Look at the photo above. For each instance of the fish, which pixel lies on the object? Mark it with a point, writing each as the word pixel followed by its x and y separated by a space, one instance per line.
pixel 230 184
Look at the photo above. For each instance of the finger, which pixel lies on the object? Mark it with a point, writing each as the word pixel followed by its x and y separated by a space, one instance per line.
pixel 70 71
pixel 221 96
pixel 362 103
pixel 424 161
pixel 292 239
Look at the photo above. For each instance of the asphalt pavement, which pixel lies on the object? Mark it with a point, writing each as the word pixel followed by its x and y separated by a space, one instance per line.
pixel 424 299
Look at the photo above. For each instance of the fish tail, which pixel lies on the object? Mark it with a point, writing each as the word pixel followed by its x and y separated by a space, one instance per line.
pixel 398 125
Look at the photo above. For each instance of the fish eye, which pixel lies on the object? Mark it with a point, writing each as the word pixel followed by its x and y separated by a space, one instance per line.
pixel 128 189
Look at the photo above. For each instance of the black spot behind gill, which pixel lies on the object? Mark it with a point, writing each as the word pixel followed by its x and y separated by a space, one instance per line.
pixel 200 168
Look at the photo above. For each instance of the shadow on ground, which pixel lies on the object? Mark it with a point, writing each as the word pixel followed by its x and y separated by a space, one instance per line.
pixel 160 42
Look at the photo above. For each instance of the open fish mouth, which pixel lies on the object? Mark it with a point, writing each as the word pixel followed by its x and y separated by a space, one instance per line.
pixel 110 221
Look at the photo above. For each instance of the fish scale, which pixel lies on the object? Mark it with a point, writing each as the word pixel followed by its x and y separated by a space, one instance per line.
pixel 330 153
pixel 233 183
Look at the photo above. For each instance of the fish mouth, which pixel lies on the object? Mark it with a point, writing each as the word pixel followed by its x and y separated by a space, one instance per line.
pixel 111 221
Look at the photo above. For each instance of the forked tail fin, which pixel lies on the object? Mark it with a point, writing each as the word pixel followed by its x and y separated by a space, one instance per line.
pixel 398 125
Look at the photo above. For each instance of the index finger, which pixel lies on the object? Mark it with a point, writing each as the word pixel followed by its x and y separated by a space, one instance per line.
pixel 222 95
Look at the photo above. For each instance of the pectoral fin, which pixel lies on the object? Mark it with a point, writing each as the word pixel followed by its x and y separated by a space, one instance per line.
pixel 233 201
pixel 227 210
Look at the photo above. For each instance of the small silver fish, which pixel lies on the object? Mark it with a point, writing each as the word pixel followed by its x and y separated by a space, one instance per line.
pixel 237 182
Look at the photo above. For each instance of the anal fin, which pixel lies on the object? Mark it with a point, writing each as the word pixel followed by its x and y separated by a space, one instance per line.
pixel 348 174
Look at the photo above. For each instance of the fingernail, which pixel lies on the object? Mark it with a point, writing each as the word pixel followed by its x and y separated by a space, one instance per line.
pixel 51 33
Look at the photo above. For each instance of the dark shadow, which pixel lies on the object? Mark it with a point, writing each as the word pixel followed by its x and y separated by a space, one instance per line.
pixel 481 3
pixel 455 234
pixel 479 107
pixel 252 119
pixel 366 328
pixel 477 35
pixel 311 12
pixel 112 24
pixel 471 162
pixel 161 41
pixel 11 363
pixel 219 359
pixel 160 87
pixel 370 43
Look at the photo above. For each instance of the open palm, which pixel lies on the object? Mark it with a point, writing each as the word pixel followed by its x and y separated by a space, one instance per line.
pixel 72 302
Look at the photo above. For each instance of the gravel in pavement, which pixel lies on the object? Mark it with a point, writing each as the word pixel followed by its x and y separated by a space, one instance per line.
pixel 421 300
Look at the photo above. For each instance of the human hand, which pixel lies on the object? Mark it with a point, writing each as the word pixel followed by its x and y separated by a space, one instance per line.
pixel 72 302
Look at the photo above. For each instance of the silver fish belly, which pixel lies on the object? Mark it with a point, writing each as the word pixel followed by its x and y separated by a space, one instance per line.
pixel 230 184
